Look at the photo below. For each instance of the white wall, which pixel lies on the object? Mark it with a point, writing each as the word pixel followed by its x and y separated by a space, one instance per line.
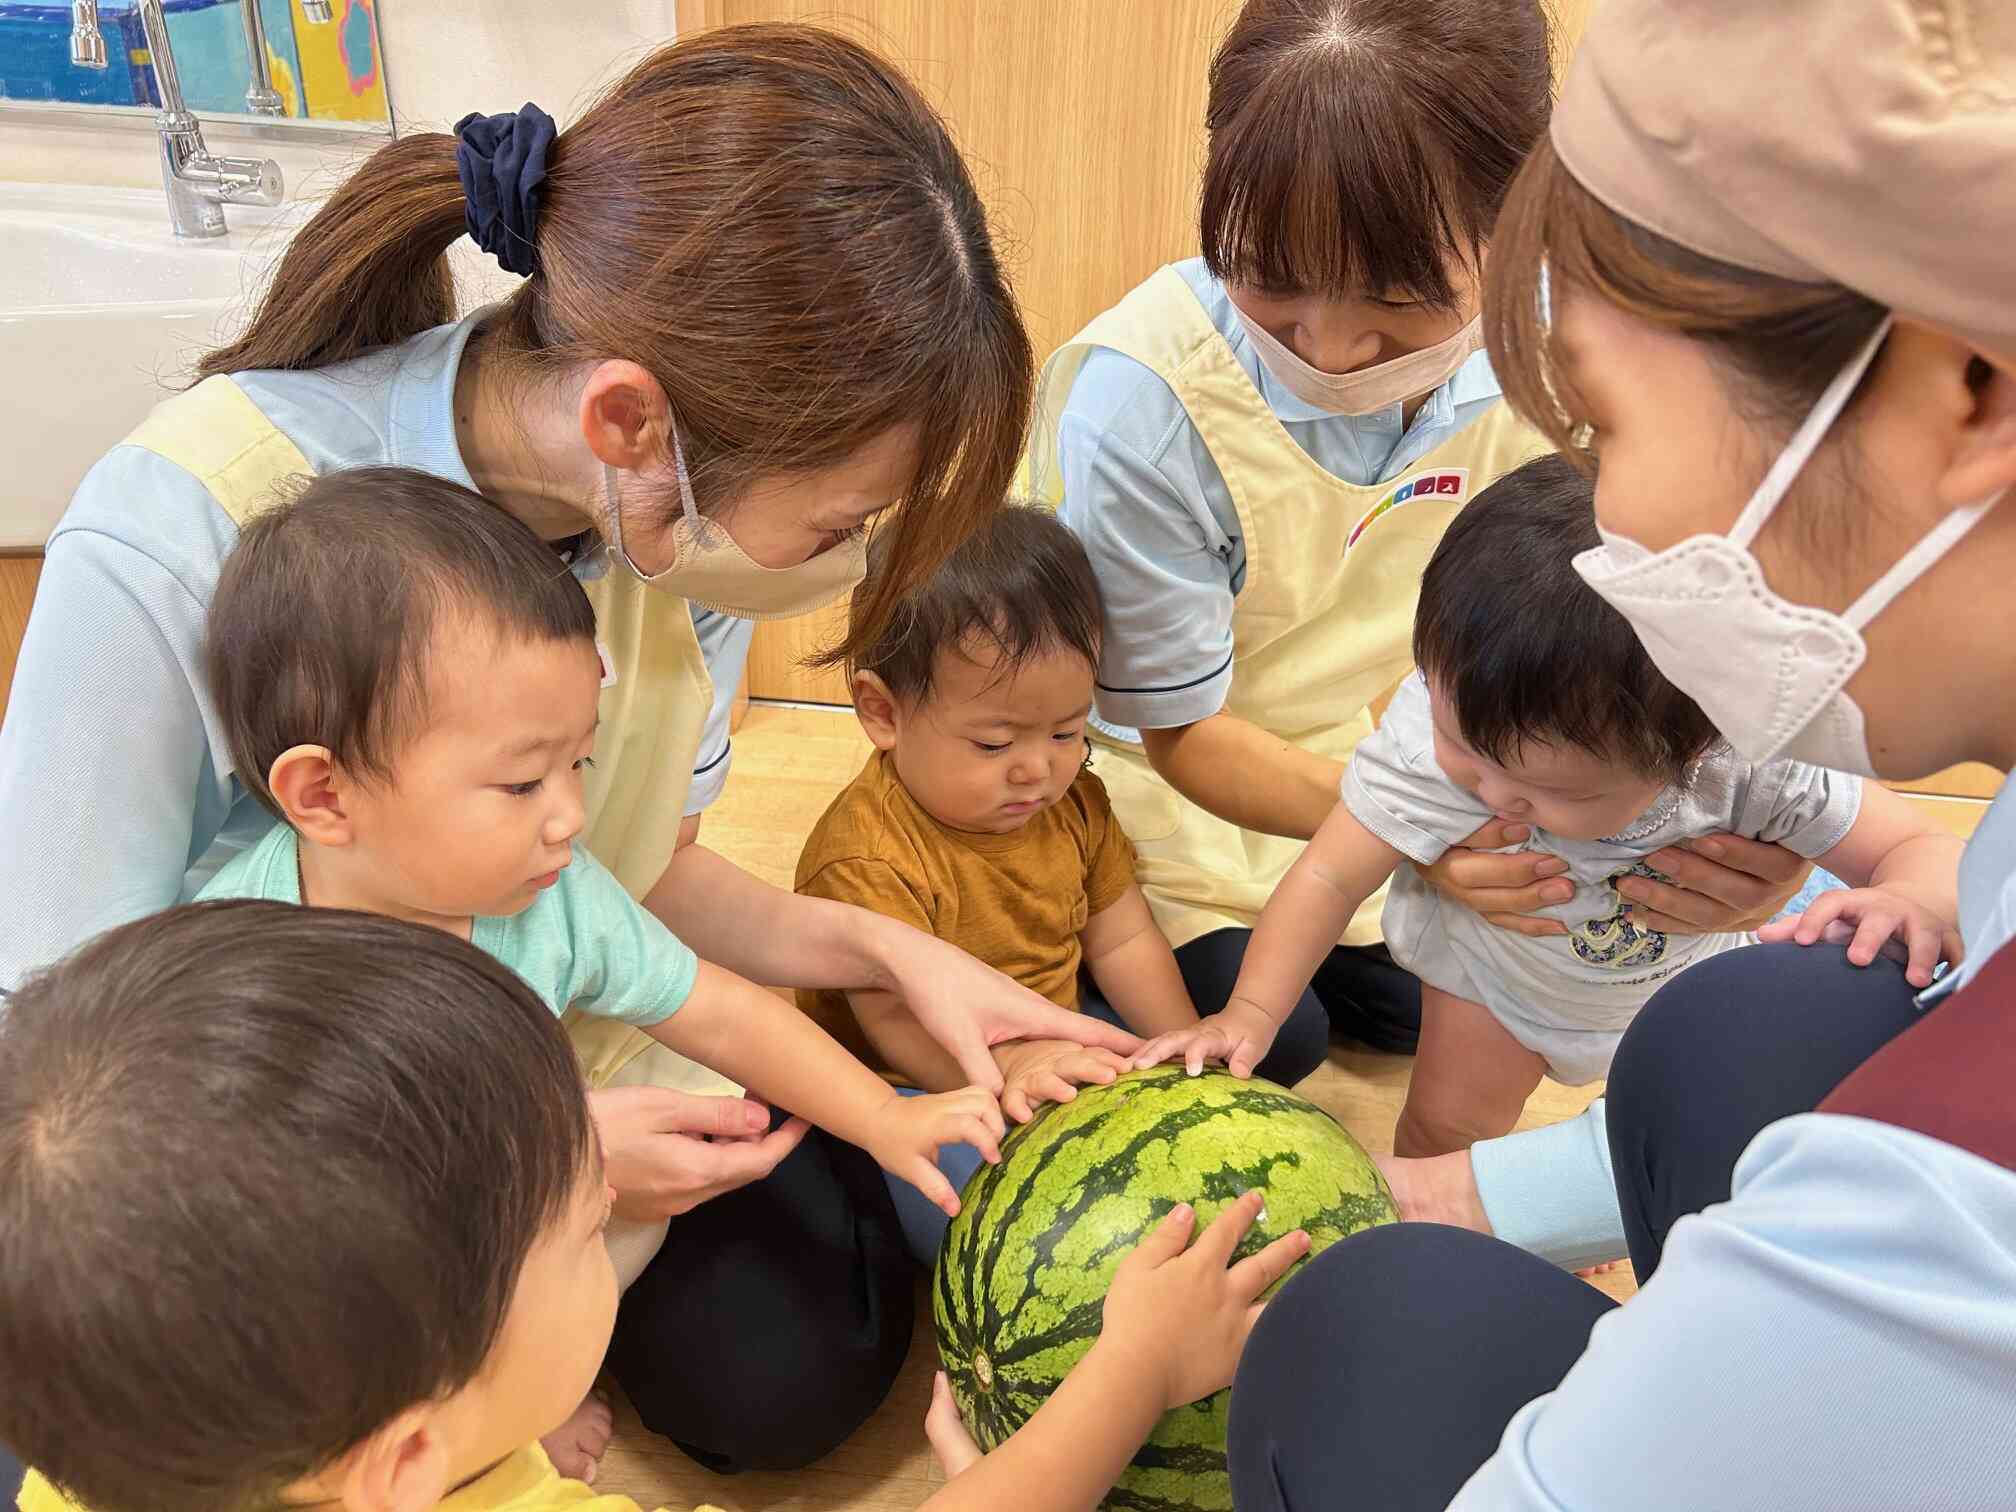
pixel 443 59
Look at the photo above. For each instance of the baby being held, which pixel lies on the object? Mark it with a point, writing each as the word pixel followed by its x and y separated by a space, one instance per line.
pixel 1534 703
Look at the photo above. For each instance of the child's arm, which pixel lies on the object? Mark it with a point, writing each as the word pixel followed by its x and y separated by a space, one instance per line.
pixel 1340 869
pixel 1032 1071
pixel 1906 876
pixel 737 1028
pixel 1134 968
pixel 1144 1364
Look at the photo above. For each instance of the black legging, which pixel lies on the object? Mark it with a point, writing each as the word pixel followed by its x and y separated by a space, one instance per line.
pixel 1393 1363
pixel 774 1319
pixel 1358 991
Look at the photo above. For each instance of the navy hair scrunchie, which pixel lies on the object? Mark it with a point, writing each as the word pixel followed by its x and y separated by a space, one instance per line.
pixel 502 162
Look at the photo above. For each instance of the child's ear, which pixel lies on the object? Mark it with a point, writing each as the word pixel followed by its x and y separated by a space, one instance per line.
pixel 304 782
pixel 876 707
pixel 403 1467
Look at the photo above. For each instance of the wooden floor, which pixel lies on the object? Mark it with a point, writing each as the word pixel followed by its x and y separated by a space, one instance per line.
pixel 789 763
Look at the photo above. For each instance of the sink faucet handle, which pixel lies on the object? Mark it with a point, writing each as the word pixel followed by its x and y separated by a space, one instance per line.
pixel 235 181
pixel 87 42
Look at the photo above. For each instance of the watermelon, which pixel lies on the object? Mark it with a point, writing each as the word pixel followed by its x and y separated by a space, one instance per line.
pixel 1022 1277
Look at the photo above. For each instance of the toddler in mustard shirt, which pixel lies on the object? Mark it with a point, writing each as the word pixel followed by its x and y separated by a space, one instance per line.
pixel 977 819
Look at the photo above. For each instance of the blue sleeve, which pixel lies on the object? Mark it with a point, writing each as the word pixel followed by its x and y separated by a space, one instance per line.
pixel 724 642
pixel 1840 1333
pixel 627 964
pixel 1552 1191
pixel 108 786
pixel 1398 791
pixel 1162 560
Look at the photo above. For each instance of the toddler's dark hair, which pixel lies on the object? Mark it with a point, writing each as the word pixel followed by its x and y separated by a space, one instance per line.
pixel 1356 146
pixel 1022 581
pixel 325 614
pixel 1527 651
pixel 268 1177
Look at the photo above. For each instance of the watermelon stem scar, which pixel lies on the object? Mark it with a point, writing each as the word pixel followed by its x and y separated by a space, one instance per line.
pixel 1020 1289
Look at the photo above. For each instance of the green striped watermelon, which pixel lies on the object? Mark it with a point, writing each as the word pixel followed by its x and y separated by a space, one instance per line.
pixel 1022 1277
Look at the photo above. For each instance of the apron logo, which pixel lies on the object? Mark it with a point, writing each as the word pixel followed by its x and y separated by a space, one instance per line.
pixel 1444 483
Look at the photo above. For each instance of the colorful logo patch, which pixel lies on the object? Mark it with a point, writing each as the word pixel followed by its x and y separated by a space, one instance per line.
pixel 1448 484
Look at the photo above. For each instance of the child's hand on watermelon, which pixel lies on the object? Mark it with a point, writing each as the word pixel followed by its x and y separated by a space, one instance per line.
pixel 1240 1034
pixel 1179 1313
pixel 1034 1072
pixel 946 1430
pixel 910 1130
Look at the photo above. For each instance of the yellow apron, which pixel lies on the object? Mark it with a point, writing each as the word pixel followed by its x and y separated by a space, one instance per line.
pixel 1325 620
pixel 652 714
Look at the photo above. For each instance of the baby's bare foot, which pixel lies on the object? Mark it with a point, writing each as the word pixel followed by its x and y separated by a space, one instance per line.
pixel 1435 1189
pixel 576 1446
pixel 1600 1270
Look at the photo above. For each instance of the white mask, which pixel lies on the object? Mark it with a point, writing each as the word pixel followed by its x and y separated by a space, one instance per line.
pixel 1364 391
pixel 710 569
pixel 1770 674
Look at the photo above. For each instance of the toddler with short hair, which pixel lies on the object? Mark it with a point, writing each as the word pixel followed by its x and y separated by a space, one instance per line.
pixel 978 820
pixel 408 678
pixel 1534 703
pixel 305 1208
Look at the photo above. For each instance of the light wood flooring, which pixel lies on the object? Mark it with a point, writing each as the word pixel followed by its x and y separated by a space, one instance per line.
pixel 789 762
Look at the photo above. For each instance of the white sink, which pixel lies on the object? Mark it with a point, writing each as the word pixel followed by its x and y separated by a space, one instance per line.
pixel 103 313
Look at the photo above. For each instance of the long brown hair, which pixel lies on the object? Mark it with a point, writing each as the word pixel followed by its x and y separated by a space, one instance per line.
pixel 1356 145
pixel 1781 342
pixel 773 223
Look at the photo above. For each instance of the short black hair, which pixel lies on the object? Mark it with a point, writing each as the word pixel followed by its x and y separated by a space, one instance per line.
pixel 268 1178
pixel 1527 651
pixel 1022 581
pixel 325 614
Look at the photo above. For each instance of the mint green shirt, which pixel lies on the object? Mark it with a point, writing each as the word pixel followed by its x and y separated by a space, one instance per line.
pixel 584 943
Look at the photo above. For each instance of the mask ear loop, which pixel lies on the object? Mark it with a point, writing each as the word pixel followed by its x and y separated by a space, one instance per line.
pixel 1806 440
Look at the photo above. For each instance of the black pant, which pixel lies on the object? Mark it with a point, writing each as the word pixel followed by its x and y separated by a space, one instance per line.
pixel 1358 991
pixel 1392 1364
pixel 773 1321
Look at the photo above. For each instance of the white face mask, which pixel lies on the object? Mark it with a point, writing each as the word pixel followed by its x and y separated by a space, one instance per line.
pixel 708 568
pixel 1364 391
pixel 1770 674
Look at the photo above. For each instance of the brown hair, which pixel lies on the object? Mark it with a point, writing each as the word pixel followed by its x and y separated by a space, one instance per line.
pixel 322 628
pixel 1356 146
pixel 1781 342
pixel 772 222
pixel 1022 581
pixel 1526 651
pixel 271 1175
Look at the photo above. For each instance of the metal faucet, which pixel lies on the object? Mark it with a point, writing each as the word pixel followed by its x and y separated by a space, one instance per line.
pixel 199 183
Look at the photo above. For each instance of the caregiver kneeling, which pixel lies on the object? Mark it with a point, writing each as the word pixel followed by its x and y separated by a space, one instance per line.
pixel 722 370
pixel 1784 316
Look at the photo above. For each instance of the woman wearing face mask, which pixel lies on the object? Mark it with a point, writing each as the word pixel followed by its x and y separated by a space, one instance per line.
pixel 1261 447
pixel 713 375
pixel 1782 315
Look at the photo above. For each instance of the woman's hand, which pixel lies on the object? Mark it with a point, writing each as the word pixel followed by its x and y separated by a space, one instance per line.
pixel 667 1152
pixel 1721 883
pixel 1504 890
pixel 969 1008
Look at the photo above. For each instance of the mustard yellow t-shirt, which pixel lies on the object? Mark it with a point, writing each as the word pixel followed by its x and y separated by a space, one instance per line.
pixel 525 1482
pixel 1016 901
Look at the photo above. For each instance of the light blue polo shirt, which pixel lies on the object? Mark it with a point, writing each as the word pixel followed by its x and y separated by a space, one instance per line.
pixel 117 797
pixel 1143 493
pixel 1840 1333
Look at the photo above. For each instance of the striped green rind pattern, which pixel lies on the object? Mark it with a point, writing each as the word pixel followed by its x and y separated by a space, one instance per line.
pixel 1022 1278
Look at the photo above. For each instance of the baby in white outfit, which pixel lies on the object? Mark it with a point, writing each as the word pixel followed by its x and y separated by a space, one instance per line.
pixel 1535 704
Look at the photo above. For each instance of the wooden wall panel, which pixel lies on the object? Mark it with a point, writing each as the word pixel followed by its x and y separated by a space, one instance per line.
pixel 18 576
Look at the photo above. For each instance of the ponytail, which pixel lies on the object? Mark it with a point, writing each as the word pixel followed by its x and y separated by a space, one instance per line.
pixel 366 271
